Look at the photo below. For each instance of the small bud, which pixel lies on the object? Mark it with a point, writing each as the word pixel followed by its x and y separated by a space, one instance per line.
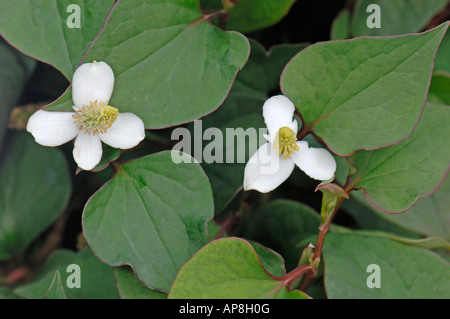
pixel 19 116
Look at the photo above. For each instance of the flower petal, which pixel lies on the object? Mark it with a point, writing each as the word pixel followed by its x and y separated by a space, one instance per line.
pixel 266 170
pixel 278 111
pixel 52 128
pixel 92 81
pixel 126 132
pixel 317 163
pixel 87 151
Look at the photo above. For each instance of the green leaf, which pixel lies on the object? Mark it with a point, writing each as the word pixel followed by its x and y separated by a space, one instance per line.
pixel 439 89
pixel 7 293
pixel 14 71
pixel 34 189
pixel 397 17
pixel 281 225
pixel 433 243
pixel 430 216
pixel 442 62
pixel 406 272
pixel 251 15
pixel 171 66
pixel 130 288
pixel 227 268
pixel 270 260
pixel 341 26
pixel 382 82
pixel 152 215
pixel 56 289
pixel 395 177
pixel 369 218
pixel 97 280
pixel 40 29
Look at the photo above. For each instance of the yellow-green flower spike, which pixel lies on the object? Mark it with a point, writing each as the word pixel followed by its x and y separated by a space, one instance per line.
pixel 95 118
pixel 285 141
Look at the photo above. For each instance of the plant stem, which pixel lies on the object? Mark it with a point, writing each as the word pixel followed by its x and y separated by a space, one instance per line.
pixel 305 130
pixel 221 13
pixel 290 277
pixel 323 229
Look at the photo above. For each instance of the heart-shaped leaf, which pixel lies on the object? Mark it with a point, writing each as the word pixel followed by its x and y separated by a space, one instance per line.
pixel 228 268
pixel 381 81
pixel 171 65
pixel 404 271
pixel 146 217
pixel 96 279
pixel 44 30
pixel 395 177
pixel 430 216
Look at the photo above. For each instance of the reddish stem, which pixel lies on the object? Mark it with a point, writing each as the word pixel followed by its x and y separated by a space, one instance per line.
pixel 305 130
pixel 289 278
pixel 323 229
pixel 18 275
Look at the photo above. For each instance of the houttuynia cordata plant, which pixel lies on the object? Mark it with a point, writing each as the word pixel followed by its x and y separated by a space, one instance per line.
pixel 217 149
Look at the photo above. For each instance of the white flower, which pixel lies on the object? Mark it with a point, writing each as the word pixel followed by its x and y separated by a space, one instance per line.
pixel 274 161
pixel 93 122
